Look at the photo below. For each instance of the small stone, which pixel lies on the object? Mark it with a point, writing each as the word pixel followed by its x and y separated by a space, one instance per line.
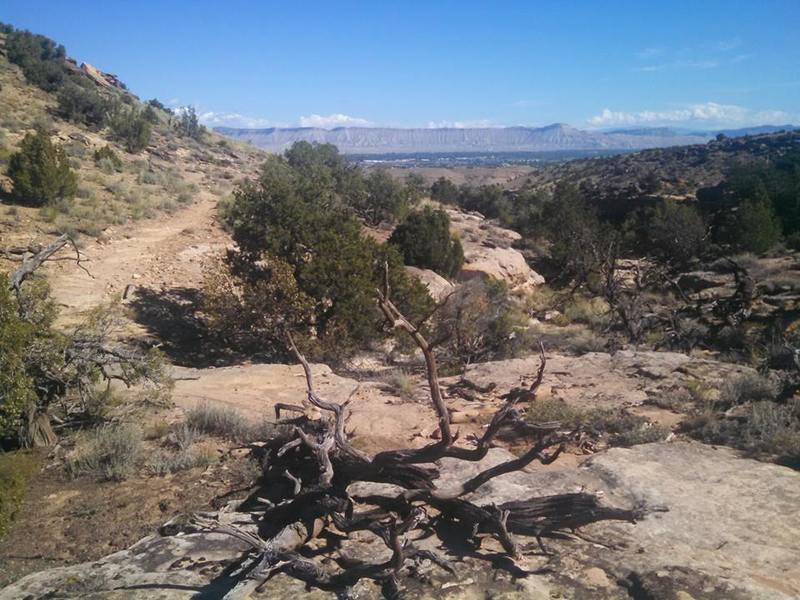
pixel 596 577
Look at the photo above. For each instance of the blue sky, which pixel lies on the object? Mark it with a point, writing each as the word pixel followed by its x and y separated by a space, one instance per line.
pixel 700 64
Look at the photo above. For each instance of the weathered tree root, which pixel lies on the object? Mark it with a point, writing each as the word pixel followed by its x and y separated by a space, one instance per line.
pixel 308 468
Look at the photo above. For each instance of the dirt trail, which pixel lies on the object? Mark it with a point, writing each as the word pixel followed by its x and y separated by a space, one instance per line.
pixel 163 252
pixel 170 253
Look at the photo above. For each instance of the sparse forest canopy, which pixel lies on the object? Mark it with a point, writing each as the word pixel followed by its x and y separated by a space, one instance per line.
pixel 519 210
pixel 756 205
pixel 753 209
pixel 80 102
pixel 300 244
pixel 673 232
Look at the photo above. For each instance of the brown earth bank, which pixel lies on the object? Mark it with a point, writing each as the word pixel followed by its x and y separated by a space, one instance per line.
pixel 64 521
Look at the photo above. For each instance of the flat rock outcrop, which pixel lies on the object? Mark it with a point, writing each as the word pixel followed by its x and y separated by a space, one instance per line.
pixel 719 526
pixel 599 379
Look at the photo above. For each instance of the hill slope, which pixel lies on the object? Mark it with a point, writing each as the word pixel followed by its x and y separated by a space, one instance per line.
pixel 172 172
pixel 679 170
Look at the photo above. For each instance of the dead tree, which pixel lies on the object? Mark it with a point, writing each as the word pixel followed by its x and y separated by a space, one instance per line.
pixel 307 470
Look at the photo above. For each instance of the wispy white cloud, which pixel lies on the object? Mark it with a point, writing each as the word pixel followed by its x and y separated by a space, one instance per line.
pixel 333 120
pixel 741 58
pixel 650 68
pixel 728 45
pixel 477 123
pixel 710 113
pixel 698 64
pixel 232 119
pixel 707 56
pixel 708 63
pixel 649 52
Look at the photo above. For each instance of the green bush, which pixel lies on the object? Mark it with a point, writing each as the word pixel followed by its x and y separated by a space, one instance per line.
pixel 156 103
pixel 767 428
pixel 415 188
pixel 445 191
pixel 580 243
pixel 425 241
pixel 181 455
pixel 40 171
pixel 757 227
pixel 748 387
pixel 617 426
pixel 401 384
pixel 150 115
pixel 164 462
pixel 298 238
pixel 189 124
pixel 40 58
pixel 480 322
pixel 218 420
pixel 130 127
pixel 793 241
pixel 82 104
pixel 674 232
pixel 553 410
pixel 16 384
pixel 386 199
pixel 106 153
pixel 40 366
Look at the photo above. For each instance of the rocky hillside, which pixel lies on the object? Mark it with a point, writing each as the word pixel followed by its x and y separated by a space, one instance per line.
pixel 383 140
pixel 680 170
pixel 114 190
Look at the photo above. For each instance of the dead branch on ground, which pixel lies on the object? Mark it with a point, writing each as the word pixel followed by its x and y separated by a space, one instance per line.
pixel 307 474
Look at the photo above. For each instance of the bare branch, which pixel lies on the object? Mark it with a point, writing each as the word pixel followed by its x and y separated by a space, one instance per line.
pixel 340 411
pixel 396 319
pixel 30 264
pixel 322 452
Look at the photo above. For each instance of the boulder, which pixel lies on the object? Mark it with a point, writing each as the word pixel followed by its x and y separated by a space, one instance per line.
pixel 95 75
pixel 697 281
pixel 488 252
pixel 438 286
pixel 505 264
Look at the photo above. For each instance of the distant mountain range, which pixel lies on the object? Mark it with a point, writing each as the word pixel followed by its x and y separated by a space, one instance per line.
pixel 553 138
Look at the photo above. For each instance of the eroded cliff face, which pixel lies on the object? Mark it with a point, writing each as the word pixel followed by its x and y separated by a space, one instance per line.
pixel 380 140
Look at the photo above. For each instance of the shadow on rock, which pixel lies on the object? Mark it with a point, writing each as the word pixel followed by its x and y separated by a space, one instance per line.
pixel 172 317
